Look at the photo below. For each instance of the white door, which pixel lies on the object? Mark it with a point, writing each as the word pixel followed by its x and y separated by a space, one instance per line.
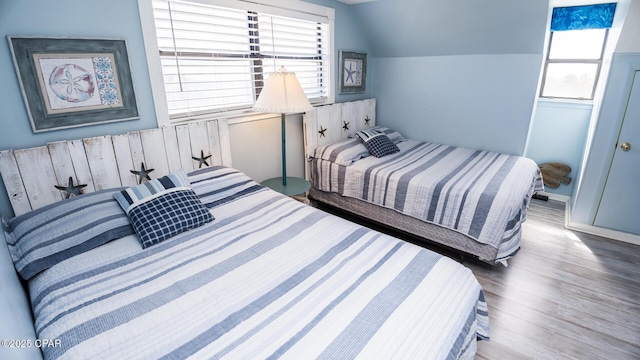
pixel 620 203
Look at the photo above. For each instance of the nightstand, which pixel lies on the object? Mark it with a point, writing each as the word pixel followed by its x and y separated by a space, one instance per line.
pixel 295 186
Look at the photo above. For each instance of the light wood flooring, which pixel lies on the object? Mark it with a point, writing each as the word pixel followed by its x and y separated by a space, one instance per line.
pixel 565 295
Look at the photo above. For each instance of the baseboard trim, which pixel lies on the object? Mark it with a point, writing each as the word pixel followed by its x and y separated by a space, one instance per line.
pixel 557 197
pixel 596 230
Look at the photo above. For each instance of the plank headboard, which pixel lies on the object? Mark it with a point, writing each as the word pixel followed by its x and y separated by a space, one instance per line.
pixel 329 124
pixel 31 175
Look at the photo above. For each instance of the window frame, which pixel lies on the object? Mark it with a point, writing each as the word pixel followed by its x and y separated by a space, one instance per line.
pixel 289 8
pixel 598 62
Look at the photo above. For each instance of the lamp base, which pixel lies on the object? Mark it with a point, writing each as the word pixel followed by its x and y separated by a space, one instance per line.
pixel 295 185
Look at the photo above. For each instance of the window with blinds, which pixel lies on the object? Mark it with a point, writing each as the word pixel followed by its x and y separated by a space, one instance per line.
pixel 216 59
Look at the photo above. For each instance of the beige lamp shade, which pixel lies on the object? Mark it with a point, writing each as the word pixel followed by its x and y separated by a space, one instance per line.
pixel 282 94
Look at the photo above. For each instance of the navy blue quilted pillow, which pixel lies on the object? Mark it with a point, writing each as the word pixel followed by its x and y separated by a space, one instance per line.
pixel 377 142
pixel 162 208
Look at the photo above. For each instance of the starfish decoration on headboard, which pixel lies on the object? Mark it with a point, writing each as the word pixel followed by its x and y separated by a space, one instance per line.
pixel 70 189
pixel 345 126
pixel 202 159
pixel 143 174
pixel 367 120
pixel 322 131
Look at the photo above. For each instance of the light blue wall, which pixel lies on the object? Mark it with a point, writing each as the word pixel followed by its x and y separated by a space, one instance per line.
pixel 16 311
pixel 416 28
pixel 120 19
pixel 349 35
pixel 477 101
pixel 67 18
pixel 558 134
pixel 462 73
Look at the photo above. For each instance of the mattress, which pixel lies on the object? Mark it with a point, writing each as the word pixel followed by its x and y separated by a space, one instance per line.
pixel 483 195
pixel 265 279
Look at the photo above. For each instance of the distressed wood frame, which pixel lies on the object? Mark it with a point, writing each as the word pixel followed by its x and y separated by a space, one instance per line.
pixel 103 162
pixel 349 57
pixel 25 52
pixel 325 125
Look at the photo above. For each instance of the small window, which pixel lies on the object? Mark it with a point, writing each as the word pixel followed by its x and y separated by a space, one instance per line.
pixel 573 63
pixel 577 40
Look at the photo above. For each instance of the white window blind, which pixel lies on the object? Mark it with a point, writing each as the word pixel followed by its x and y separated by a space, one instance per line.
pixel 216 59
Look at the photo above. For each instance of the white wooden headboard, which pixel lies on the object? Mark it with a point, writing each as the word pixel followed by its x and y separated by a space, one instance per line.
pixel 329 124
pixel 30 175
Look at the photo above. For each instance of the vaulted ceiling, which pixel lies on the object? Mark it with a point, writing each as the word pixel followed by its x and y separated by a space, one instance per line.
pixel 351 2
pixel 407 28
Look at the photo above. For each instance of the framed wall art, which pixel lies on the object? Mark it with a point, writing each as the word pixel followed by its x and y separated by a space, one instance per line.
pixel 69 82
pixel 353 72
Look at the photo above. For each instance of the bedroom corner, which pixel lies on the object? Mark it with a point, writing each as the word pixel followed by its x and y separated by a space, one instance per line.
pixel 33 18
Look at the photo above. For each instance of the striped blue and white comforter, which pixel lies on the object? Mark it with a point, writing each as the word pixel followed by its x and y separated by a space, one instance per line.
pixel 269 278
pixel 484 195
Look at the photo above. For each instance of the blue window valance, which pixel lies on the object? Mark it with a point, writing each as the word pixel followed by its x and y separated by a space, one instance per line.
pixel 599 16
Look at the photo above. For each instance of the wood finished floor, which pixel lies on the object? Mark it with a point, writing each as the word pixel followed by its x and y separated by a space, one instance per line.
pixel 565 295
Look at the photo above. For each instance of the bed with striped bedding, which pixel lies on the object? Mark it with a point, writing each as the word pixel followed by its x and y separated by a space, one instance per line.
pixel 483 195
pixel 265 279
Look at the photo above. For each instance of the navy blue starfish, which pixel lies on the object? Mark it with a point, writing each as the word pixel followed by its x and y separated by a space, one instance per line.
pixel 322 131
pixel 349 73
pixel 142 174
pixel 202 159
pixel 366 120
pixel 71 190
pixel 345 126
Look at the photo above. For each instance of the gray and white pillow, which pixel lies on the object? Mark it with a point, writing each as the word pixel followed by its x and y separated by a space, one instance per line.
pixel 46 236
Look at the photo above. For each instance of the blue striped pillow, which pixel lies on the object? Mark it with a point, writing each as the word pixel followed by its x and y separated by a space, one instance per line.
pixel 162 208
pixel 46 236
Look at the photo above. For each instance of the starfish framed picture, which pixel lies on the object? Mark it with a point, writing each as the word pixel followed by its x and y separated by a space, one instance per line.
pixel 353 72
pixel 69 82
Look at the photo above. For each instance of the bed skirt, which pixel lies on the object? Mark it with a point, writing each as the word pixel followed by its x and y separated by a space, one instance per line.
pixel 424 230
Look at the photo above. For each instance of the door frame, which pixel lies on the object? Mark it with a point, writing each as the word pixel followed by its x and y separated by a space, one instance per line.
pixel 635 77
pixel 606 122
